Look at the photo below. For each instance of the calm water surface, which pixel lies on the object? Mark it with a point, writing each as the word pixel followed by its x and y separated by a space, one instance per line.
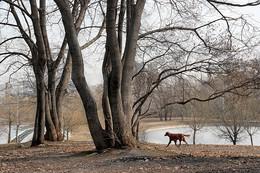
pixel 208 135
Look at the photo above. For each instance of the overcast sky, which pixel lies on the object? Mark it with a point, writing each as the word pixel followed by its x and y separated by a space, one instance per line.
pixel 93 69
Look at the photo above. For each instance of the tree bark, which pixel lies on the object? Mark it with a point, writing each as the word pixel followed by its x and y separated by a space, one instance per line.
pixel 38 136
pixel 50 134
pixel 117 72
pixel 106 69
pixel 39 65
pixel 52 100
pixel 121 119
pixel 78 77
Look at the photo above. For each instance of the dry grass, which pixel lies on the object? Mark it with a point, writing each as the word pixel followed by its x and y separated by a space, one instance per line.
pixel 150 124
pixel 82 133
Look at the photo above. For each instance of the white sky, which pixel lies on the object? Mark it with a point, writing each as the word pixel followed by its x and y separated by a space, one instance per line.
pixel 93 68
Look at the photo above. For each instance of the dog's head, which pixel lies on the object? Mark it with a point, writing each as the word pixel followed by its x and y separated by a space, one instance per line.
pixel 166 134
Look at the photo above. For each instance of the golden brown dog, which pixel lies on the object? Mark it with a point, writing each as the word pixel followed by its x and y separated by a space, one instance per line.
pixel 175 138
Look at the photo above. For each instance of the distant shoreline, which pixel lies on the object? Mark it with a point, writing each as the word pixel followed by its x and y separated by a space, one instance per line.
pixel 154 124
pixel 164 128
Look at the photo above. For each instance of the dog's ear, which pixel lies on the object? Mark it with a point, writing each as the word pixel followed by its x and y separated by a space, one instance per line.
pixel 166 133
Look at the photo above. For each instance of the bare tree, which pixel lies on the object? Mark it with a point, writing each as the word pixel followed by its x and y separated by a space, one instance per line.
pixel 251 110
pixel 39 52
pixel 72 115
pixel 231 119
pixel 197 117
pixel 182 44
pixel 205 49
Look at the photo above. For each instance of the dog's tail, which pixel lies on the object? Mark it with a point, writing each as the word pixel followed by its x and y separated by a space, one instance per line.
pixel 186 135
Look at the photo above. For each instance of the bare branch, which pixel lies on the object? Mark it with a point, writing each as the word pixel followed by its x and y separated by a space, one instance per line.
pixel 95 38
pixel 255 3
pixel 10 39
pixel 17 6
pixel 211 97
pixel 9 54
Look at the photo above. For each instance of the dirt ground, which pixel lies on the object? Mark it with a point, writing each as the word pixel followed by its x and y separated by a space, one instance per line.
pixel 81 157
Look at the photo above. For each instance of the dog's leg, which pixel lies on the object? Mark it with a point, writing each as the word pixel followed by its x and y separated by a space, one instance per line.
pixel 179 144
pixel 185 141
pixel 169 143
pixel 176 143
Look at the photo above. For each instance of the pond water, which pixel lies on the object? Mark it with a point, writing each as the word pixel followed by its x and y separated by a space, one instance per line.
pixel 207 135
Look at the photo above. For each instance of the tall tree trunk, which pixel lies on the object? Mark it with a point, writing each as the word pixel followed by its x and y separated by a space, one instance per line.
pixel 134 14
pixel 78 77
pixel 106 69
pixel 64 81
pixel 121 119
pixel 53 110
pixel 62 87
pixel 39 65
pixel 117 97
pixel 38 136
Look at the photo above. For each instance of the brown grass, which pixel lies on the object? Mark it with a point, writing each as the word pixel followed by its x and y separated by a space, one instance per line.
pixel 82 133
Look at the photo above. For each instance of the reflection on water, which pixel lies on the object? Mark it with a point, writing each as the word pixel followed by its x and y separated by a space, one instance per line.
pixel 208 135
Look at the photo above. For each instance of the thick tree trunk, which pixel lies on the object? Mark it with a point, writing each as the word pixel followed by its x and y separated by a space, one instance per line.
pixel 78 76
pixel 121 119
pixel 134 14
pixel 39 65
pixel 105 101
pixel 38 136
pixel 53 110
pixel 117 95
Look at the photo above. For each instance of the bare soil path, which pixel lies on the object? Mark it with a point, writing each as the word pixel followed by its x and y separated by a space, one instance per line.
pixel 81 157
